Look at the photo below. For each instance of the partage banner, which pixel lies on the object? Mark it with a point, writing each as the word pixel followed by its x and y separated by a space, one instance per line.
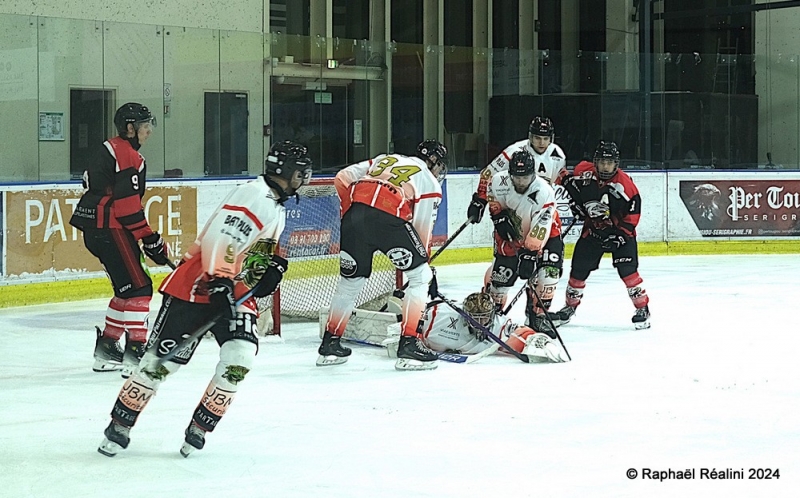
pixel 743 208
pixel 40 238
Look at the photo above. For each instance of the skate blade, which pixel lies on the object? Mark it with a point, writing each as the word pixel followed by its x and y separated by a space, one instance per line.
pixel 105 366
pixel 410 364
pixel 187 449
pixel 128 371
pixel 109 448
pixel 324 361
pixel 642 325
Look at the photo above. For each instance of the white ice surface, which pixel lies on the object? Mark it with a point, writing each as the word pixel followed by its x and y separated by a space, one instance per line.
pixel 713 384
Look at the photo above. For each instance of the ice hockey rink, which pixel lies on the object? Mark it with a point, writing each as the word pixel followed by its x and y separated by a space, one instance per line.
pixel 712 385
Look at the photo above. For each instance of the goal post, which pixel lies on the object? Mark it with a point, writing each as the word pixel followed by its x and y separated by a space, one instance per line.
pixel 310 242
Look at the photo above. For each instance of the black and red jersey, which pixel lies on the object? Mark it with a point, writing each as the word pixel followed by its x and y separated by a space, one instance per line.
pixel 115 185
pixel 613 205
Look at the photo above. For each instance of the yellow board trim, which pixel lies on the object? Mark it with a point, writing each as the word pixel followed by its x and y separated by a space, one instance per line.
pixel 96 288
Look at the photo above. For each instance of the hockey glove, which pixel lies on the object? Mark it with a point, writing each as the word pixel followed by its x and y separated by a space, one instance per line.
pixel 271 278
pixel 577 210
pixel 220 295
pixel 613 242
pixel 155 248
pixel 527 264
pixel 504 227
pixel 476 209
pixel 433 286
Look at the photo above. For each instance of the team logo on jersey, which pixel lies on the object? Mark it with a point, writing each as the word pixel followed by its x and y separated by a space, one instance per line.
pixel 400 257
pixel 532 196
pixel 347 265
pixel 264 246
pixel 504 180
pixel 597 209
pixel 453 322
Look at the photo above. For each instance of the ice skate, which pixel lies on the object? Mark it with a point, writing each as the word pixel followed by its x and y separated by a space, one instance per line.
pixel 331 351
pixel 540 323
pixel 134 351
pixel 107 353
pixel 641 319
pixel 195 440
pixel 413 354
pixel 543 346
pixel 562 316
pixel 116 439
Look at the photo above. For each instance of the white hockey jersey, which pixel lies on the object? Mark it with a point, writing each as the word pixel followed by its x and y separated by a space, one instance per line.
pixel 400 185
pixel 250 219
pixel 446 330
pixel 550 165
pixel 532 212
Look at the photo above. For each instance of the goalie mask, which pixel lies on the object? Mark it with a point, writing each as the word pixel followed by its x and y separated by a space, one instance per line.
pixel 606 160
pixel 480 306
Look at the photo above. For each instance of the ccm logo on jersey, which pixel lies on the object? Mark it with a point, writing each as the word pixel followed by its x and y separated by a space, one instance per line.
pixel 239 223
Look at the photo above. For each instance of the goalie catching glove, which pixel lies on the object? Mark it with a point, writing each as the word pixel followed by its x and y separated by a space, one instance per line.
pixel 156 248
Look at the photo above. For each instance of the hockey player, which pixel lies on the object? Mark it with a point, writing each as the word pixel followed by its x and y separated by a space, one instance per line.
pixel 112 220
pixel 389 204
pixel 444 330
pixel 234 252
pixel 526 237
pixel 608 201
pixel 550 165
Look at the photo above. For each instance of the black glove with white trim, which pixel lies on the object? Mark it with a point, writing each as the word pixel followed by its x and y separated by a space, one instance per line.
pixel 504 227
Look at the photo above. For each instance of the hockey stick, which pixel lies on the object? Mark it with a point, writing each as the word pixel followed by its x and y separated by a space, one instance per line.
pixel 547 315
pixel 468 358
pixel 202 329
pixel 488 333
pixel 435 255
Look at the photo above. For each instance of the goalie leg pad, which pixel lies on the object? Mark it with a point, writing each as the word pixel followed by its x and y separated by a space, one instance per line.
pixel 544 347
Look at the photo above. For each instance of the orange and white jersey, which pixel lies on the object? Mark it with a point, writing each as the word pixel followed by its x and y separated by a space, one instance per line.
pixel 400 185
pixel 532 212
pixel 551 165
pixel 249 220
pixel 445 330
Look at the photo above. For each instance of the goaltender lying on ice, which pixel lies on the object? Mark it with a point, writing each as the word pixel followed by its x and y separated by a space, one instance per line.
pixel 448 333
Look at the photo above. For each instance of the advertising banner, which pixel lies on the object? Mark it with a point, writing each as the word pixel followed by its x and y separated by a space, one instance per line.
pixel 743 208
pixel 40 239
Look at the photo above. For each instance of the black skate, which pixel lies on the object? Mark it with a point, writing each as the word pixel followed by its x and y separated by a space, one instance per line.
pixel 130 360
pixel 107 353
pixel 195 439
pixel 641 319
pixel 413 354
pixel 540 323
pixel 331 351
pixel 117 438
pixel 562 316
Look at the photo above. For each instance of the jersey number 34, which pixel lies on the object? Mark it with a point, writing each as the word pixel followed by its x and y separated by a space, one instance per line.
pixel 400 173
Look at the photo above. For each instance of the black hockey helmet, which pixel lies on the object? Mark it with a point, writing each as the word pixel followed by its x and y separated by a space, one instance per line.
pixel 435 154
pixel 542 127
pixel 521 164
pixel 606 151
pixel 284 158
pixel 132 113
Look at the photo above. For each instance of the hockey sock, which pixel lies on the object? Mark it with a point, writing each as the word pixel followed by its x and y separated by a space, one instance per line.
pixel 575 289
pixel 235 360
pixel 342 304
pixel 127 314
pixel 545 285
pixel 414 300
pixel 133 398
pixel 637 294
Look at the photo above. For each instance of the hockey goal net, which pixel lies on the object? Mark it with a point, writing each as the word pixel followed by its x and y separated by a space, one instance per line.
pixel 310 242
